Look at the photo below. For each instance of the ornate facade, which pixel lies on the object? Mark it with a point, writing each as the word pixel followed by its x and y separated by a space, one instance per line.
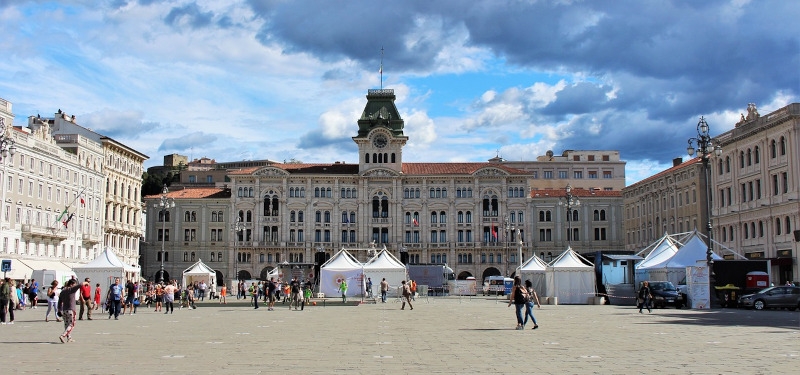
pixel 476 217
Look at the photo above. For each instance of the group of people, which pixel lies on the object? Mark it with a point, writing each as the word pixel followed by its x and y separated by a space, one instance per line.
pixel 297 293
pixel 20 296
pixel 524 297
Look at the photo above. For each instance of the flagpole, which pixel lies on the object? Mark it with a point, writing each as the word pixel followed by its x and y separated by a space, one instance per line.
pixel 381 69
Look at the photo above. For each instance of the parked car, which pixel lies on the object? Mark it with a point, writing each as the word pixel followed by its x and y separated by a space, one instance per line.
pixel 775 296
pixel 665 294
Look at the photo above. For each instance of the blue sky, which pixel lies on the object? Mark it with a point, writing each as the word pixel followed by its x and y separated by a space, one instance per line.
pixel 273 79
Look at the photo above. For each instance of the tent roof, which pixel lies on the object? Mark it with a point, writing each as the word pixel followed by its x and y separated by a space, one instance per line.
pixel 694 250
pixel 384 260
pixel 342 260
pixel 534 263
pixel 570 259
pixel 107 259
pixel 665 249
pixel 199 268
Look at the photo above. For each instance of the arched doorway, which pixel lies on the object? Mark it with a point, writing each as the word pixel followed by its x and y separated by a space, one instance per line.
pixel 161 276
pixel 220 280
pixel 463 275
pixel 244 275
pixel 264 275
pixel 491 271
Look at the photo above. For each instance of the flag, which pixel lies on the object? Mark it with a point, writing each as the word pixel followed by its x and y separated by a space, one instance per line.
pixel 380 70
pixel 415 222
pixel 494 232
pixel 83 201
pixel 345 220
pixel 69 218
pixel 62 214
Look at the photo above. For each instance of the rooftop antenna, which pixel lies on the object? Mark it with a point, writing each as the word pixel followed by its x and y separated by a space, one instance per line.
pixel 381 69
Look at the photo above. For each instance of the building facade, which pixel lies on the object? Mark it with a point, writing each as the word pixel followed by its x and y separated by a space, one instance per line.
pixel 476 217
pixel 756 192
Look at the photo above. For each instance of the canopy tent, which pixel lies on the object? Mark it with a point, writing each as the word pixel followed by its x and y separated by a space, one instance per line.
pixel 19 270
pixel 199 272
pixel 341 266
pixel 674 268
pixel 571 279
pixel 385 265
pixel 662 250
pixel 535 270
pixel 105 268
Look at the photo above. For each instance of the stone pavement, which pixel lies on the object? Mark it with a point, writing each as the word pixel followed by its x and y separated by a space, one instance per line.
pixel 448 335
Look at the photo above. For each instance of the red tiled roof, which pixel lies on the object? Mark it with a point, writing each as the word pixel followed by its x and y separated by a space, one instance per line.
pixel 580 193
pixel 409 169
pixel 194 193
pixel 665 172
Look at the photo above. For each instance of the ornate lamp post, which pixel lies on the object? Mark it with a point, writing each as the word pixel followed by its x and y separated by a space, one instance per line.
pixel 164 204
pixel 6 148
pixel 570 201
pixel 705 148
pixel 237 228
pixel 508 229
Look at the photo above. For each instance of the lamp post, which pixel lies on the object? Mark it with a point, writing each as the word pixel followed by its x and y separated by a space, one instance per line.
pixel 508 229
pixel 6 148
pixel 705 149
pixel 237 228
pixel 163 205
pixel 569 201
pixel 519 245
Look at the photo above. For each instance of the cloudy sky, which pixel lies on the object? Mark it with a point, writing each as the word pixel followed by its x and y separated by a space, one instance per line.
pixel 280 80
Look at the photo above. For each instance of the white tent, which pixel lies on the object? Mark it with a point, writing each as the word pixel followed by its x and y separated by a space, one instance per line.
pixel 341 266
pixel 571 279
pixel 105 268
pixel 674 268
pixel 535 270
pixel 199 272
pixel 385 265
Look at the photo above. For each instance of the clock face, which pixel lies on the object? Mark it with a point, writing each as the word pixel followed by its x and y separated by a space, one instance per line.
pixel 380 141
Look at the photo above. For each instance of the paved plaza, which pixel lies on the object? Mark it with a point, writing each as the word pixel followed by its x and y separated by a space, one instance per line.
pixel 441 335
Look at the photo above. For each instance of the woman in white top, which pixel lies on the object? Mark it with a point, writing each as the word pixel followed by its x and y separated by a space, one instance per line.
pixel 52 301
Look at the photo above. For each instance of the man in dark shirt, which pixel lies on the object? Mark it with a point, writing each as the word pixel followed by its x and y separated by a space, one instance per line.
pixel 295 285
pixel 271 290
pixel 66 306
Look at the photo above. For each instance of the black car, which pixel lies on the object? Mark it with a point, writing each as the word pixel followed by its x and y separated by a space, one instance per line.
pixel 665 294
pixel 776 296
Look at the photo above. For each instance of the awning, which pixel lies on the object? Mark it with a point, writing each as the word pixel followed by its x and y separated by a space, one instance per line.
pixel 622 257
pixel 37 264
pixel 19 271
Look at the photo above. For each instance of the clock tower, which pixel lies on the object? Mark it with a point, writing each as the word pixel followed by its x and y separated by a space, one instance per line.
pixel 380 136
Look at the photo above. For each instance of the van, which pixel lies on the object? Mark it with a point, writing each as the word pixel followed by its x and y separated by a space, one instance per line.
pixel 46 277
pixel 498 285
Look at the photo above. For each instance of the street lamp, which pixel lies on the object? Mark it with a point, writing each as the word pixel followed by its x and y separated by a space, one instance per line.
pixel 237 228
pixel 6 148
pixel 508 229
pixel 705 148
pixel 570 201
pixel 519 245
pixel 163 205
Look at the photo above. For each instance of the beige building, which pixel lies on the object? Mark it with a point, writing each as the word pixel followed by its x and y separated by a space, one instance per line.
pixel 52 197
pixel 468 215
pixel 755 204
pixel 672 201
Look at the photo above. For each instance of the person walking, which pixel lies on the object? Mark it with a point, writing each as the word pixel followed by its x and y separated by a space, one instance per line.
pixel 518 297
pixel 384 290
pixel 532 297
pixel 114 299
pixel 254 295
pixel 406 291
pixel 223 291
pixel 66 306
pixel 413 287
pixel 5 299
pixel 645 297
pixel 169 297
pixel 343 290
pixel 271 291
pixel 85 299
pixel 369 287
pixel 33 293
pixel 295 299
pixel 97 294
pixel 52 301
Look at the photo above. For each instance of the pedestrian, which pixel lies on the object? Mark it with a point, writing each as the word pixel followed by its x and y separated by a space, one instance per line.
pixel 52 301
pixel 223 291
pixel 343 290
pixel 85 299
pixel 169 297
pixel 413 288
pixel 114 299
pixel 202 288
pixel 5 300
pixel 519 297
pixel 33 293
pixel 295 290
pixel 130 294
pixel 272 289
pixel 97 294
pixel 384 290
pixel 532 297
pixel 369 287
pixel 213 291
pixel 645 297
pixel 254 295
pixel 159 297
pixel 66 307
pixel 406 291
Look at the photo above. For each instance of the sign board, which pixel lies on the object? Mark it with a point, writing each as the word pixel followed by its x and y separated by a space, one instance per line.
pixel 6 265
pixel 698 285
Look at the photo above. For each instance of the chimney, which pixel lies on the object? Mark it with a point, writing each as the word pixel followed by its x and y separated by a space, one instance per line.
pixel 677 161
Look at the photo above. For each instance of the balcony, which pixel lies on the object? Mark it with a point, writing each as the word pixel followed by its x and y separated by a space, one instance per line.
pixel 35 231
pixel 91 239
pixel 380 220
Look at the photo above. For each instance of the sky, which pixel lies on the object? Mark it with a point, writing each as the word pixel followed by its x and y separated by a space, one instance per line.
pixel 282 80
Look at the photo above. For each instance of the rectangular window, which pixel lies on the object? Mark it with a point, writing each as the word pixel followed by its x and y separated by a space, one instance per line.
pixel 535 174
pixel 562 174
pixel 606 174
pixel 785 176
pixel 591 157
pixel 578 174
pixel 192 179
pixel 548 175
pixel 592 174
